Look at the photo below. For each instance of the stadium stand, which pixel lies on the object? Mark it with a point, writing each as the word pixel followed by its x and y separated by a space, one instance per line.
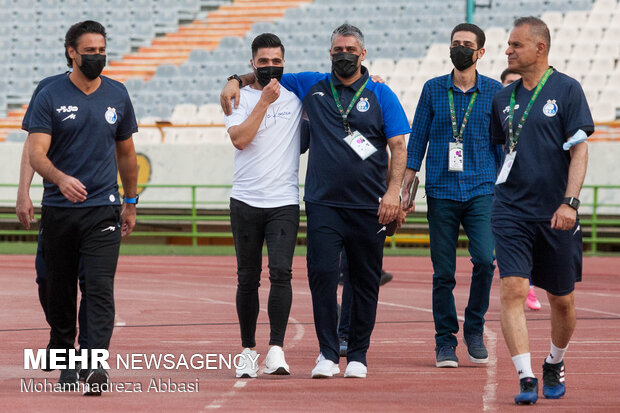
pixel 174 55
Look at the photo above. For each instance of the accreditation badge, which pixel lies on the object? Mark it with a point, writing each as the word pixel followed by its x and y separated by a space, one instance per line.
pixel 506 167
pixel 455 157
pixel 362 147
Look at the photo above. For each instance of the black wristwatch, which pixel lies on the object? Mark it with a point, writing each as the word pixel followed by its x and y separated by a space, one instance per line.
pixel 237 78
pixel 572 202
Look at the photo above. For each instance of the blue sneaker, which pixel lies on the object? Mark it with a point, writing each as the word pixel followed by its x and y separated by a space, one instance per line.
pixel 445 356
pixel 553 380
pixel 529 391
pixel 344 345
pixel 475 349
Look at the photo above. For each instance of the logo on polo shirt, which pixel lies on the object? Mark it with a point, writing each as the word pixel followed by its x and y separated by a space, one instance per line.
pixel 110 116
pixel 363 105
pixel 65 109
pixel 551 108
pixel 507 108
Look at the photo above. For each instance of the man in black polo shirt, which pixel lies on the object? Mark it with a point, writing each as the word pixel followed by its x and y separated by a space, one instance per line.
pixel 543 121
pixel 80 129
pixel 348 202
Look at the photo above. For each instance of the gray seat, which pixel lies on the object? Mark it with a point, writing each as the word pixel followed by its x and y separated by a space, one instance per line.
pixel 135 84
pixel 16 135
pixel 166 71
pixel 199 56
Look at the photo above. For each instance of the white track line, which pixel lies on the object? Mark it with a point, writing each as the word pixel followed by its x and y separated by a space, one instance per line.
pixel 240 384
pixel 489 396
pixel 597 311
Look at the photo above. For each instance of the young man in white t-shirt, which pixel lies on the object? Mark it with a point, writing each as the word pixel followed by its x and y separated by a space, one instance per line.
pixel 264 204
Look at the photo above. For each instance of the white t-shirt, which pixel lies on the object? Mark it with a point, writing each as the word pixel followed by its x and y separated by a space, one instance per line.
pixel 266 171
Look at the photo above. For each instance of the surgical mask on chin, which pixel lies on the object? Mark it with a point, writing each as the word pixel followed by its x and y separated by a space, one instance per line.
pixel 462 57
pixel 266 73
pixel 344 64
pixel 92 65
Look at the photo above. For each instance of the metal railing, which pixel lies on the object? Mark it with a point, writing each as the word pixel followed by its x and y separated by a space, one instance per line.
pixel 195 211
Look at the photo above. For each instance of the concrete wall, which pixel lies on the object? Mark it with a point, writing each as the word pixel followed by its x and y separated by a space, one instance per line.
pixel 212 164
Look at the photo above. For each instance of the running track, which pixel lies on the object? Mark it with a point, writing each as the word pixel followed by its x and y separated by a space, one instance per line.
pixel 185 305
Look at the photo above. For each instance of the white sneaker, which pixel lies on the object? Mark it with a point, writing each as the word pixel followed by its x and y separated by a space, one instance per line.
pixel 355 369
pixel 275 362
pixel 248 364
pixel 324 368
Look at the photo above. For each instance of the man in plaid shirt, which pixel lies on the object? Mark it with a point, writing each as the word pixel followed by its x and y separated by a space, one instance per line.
pixel 452 120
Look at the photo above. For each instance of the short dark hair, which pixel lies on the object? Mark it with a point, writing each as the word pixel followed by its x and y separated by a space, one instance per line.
pixel 538 28
pixel 469 27
pixel 507 72
pixel 266 40
pixel 77 30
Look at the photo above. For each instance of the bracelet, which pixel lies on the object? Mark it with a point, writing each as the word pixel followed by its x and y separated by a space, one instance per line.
pixel 133 200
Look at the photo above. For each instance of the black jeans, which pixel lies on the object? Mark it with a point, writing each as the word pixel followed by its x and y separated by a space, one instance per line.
pixel 251 227
pixel 90 237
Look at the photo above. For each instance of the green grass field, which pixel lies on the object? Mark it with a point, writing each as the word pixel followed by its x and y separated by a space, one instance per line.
pixel 145 249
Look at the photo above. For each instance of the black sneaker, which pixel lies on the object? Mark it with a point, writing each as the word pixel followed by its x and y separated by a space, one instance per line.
pixel 386 277
pixel 445 356
pixel 68 379
pixel 82 373
pixel 97 381
pixel 553 380
pixel 529 391
pixel 475 349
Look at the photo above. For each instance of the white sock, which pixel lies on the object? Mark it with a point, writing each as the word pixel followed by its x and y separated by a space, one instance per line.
pixel 523 365
pixel 556 355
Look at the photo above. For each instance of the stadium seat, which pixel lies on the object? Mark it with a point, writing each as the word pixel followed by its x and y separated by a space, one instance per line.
pixel 577 68
pixel 210 114
pixel 166 71
pixel 214 136
pixel 554 19
pixel 604 65
pixel 574 19
pixel 397 31
pixel 604 111
pixel 17 136
pixel 184 114
pixel 407 66
pixel 604 6
pixel 400 83
pixel 383 67
pixel 590 33
pixel 147 136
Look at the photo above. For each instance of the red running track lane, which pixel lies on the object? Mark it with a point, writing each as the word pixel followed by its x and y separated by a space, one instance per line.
pixel 185 305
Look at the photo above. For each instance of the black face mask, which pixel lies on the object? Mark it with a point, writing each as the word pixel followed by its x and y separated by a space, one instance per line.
pixel 344 64
pixel 462 57
pixel 92 65
pixel 266 73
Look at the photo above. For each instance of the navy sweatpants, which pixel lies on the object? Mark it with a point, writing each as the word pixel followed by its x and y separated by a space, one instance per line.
pixel 359 231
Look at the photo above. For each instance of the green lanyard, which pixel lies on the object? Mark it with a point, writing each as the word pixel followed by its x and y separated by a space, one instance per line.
pixel 344 114
pixel 458 135
pixel 512 134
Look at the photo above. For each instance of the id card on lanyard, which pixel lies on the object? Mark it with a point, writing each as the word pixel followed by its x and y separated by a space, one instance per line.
pixel 355 140
pixel 513 135
pixel 455 149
